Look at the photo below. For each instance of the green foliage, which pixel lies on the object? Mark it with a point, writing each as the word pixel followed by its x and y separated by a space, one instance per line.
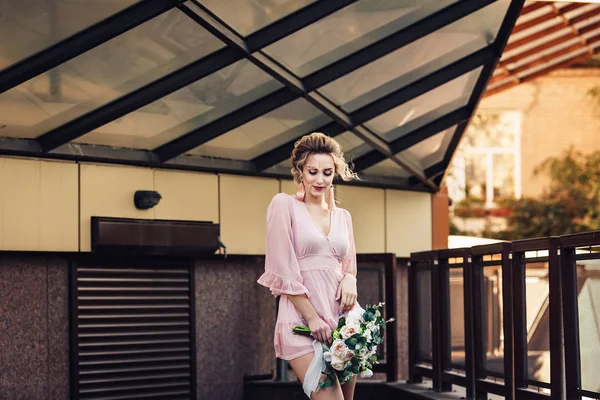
pixel 570 204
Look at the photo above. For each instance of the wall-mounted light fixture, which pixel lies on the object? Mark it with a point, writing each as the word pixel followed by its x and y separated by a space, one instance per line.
pixel 146 199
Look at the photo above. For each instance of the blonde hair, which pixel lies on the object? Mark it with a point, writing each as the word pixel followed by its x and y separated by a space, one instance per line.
pixel 319 143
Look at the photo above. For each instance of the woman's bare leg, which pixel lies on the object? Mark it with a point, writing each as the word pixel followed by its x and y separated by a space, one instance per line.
pixel 348 389
pixel 300 366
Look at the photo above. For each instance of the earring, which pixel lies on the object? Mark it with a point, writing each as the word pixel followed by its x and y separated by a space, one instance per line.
pixel 300 194
pixel 331 201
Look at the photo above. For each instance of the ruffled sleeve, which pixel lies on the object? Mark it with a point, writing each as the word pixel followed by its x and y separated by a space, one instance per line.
pixel 282 272
pixel 349 261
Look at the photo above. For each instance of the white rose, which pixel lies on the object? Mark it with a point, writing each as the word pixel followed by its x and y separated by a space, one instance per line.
pixel 337 362
pixel 349 330
pixel 367 334
pixel 367 373
pixel 355 314
pixel 339 348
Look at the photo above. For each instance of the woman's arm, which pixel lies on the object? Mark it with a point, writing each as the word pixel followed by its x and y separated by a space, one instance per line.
pixel 318 328
pixel 347 292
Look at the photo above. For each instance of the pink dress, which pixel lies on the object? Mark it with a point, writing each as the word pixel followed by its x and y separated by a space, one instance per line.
pixel 300 258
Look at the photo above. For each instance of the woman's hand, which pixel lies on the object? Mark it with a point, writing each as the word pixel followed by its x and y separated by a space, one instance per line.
pixel 320 330
pixel 347 292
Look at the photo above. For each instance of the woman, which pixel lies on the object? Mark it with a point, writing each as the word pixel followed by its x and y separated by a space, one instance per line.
pixel 310 256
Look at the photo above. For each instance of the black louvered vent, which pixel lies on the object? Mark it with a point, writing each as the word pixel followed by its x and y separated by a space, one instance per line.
pixel 132 333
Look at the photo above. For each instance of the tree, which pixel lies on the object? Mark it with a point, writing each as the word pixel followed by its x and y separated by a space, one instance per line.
pixel 570 203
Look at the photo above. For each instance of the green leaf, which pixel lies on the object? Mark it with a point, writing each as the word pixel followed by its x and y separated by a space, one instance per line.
pixel 341 322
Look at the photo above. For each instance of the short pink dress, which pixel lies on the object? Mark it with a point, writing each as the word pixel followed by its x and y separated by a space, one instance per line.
pixel 300 258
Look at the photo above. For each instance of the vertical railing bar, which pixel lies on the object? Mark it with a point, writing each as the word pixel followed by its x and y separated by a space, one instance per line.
pixel 557 371
pixel 520 320
pixel 445 329
pixel 570 323
pixel 469 325
pixel 392 328
pixel 413 332
pixel 478 324
pixel 435 324
pixel 508 322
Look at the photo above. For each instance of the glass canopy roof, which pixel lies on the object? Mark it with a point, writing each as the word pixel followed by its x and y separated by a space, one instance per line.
pixel 215 85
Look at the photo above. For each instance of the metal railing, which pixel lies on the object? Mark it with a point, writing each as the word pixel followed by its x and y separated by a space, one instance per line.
pixel 517 319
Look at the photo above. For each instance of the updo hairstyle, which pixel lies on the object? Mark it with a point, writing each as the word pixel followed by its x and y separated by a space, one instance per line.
pixel 319 143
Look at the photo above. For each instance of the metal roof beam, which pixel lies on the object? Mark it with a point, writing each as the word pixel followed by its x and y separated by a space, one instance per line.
pixel 393 42
pixel 283 151
pixel 237 50
pixel 577 58
pixel 499 45
pixel 410 139
pixel 546 17
pixel 584 44
pixel 294 22
pixel 201 15
pixel 224 124
pixel 553 29
pixel 83 41
pixel 394 99
pixel 569 35
pixel 138 98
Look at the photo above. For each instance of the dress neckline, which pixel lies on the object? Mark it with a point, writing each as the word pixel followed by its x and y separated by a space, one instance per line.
pixel 303 205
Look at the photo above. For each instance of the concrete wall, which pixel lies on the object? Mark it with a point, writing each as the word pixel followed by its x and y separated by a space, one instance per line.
pixel 47 205
pixel 557 112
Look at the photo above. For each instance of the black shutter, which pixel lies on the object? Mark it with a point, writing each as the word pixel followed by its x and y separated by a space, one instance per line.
pixel 132 331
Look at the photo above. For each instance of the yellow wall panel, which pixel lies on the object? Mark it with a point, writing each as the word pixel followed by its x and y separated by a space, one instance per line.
pixel 38 205
pixel 367 207
pixel 108 191
pixel 59 223
pixel 243 202
pixel 187 196
pixel 408 225
pixel 288 186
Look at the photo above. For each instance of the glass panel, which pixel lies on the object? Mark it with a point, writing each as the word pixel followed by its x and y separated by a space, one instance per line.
pixel 186 109
pixel 105 73
pixel 418 59
pixel 27 27
pixel 426 108
pixel 432 150
pixel 538 321
pixel 347 31
pixel 352 146
pixel 247 16
pixel 387 168
pixel 266 132
pixel 588 302
pixel 424 315
pixel 457 317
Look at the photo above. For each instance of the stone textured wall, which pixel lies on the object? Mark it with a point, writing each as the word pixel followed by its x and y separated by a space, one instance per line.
pixel 34 327
pixel 235 317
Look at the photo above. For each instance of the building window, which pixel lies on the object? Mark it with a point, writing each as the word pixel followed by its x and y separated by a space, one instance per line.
pixel 487 163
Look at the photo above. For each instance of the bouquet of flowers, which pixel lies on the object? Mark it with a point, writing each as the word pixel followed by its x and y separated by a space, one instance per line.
pixel 354 345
